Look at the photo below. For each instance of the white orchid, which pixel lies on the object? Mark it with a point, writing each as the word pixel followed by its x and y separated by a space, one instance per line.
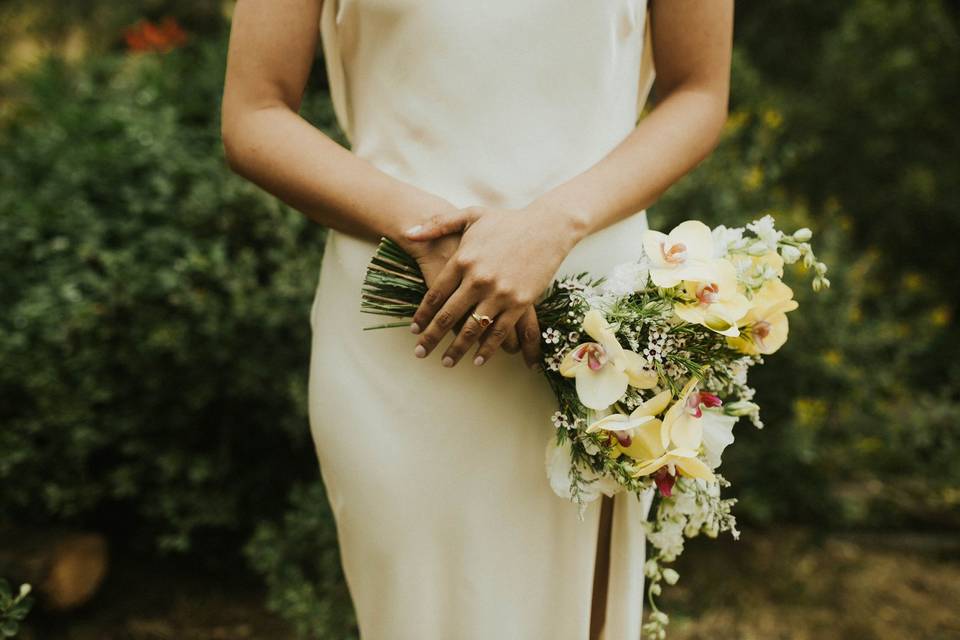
pixel 686 253
pixel 716 303
pixel 558 462
pixel 717 435
pixel 603 369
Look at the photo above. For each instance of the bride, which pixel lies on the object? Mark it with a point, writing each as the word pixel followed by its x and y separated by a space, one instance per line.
pixel 501 143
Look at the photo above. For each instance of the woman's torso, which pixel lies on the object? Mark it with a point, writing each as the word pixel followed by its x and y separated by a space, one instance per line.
pixel 491 102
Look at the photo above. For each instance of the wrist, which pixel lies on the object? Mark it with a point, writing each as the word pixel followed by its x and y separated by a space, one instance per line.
pixel 571 221
pixel 413 211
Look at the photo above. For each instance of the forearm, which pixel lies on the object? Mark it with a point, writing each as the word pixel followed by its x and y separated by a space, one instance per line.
pixel 287 156
pixel 670 141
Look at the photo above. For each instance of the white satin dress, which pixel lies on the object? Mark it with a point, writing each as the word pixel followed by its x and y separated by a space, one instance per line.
pixel 447 525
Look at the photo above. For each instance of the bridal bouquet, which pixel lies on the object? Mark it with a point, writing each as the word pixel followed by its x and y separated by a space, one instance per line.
pixel 649 366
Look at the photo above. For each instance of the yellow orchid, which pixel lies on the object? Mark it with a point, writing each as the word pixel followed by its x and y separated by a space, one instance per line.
pixel 674 427
pixel 686 253
pixel 684 460
pixel 764 328
pixel 692 422
pixel 646 448
pixel 716 303
pixel 674 443
pixel 603 369
pixel 624 426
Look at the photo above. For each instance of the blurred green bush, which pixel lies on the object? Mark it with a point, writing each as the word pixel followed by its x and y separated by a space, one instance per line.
pixel 154 332
pixel 854 436
pixel 154 329
pixel 300 561
pixel 842 120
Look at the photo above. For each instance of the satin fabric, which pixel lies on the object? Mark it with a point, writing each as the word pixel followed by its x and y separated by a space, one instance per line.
pixel 447 526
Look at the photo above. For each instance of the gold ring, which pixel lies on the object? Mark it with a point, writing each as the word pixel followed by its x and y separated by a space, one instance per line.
pixel 483 321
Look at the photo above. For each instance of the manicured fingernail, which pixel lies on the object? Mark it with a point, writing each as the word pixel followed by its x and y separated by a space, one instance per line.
pixel 536 366
pixel 478 360
pixel 414 327
pixel 447 361
pixel 414 230
pixel 420 351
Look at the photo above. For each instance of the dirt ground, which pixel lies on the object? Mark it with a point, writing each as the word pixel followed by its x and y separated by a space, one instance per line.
pixel 787 585
pixel 772 585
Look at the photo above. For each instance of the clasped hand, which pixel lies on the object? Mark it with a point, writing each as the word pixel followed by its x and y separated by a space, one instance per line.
pixel 506 258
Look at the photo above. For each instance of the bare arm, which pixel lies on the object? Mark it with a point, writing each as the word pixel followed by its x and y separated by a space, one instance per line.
pixel 272 46
pixel 692 47
pixel 504 261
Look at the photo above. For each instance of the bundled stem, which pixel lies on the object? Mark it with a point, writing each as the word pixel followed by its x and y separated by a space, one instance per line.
pixel 393 286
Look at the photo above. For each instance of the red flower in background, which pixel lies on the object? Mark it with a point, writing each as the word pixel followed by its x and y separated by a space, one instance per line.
pixel 148 36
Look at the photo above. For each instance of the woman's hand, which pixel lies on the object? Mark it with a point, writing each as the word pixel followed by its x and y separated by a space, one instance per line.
pixel 432 255
pixel 505 260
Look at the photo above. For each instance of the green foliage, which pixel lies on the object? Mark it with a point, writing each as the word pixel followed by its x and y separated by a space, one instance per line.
pixel 301 564
pixel 154 332
pixel 14 607
pixel 876 132
pixel 50 21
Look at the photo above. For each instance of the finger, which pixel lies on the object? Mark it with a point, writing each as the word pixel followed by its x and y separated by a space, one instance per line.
pixel 442 288
pixel 529 331
pixel 496 334
pixel 511 344
pixel 443 224
pixel 456 306
pixel 469 334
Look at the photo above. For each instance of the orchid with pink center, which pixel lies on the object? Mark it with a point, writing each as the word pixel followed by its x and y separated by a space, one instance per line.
pixel 623 426
pixel 716 303
pixel 688 426
pixel 692 423
pixel 764 328
pixel 603 369
pixel 652 456
pixel 686 253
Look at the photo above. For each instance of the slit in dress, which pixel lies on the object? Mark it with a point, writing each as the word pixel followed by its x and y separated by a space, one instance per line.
pixel 601 570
